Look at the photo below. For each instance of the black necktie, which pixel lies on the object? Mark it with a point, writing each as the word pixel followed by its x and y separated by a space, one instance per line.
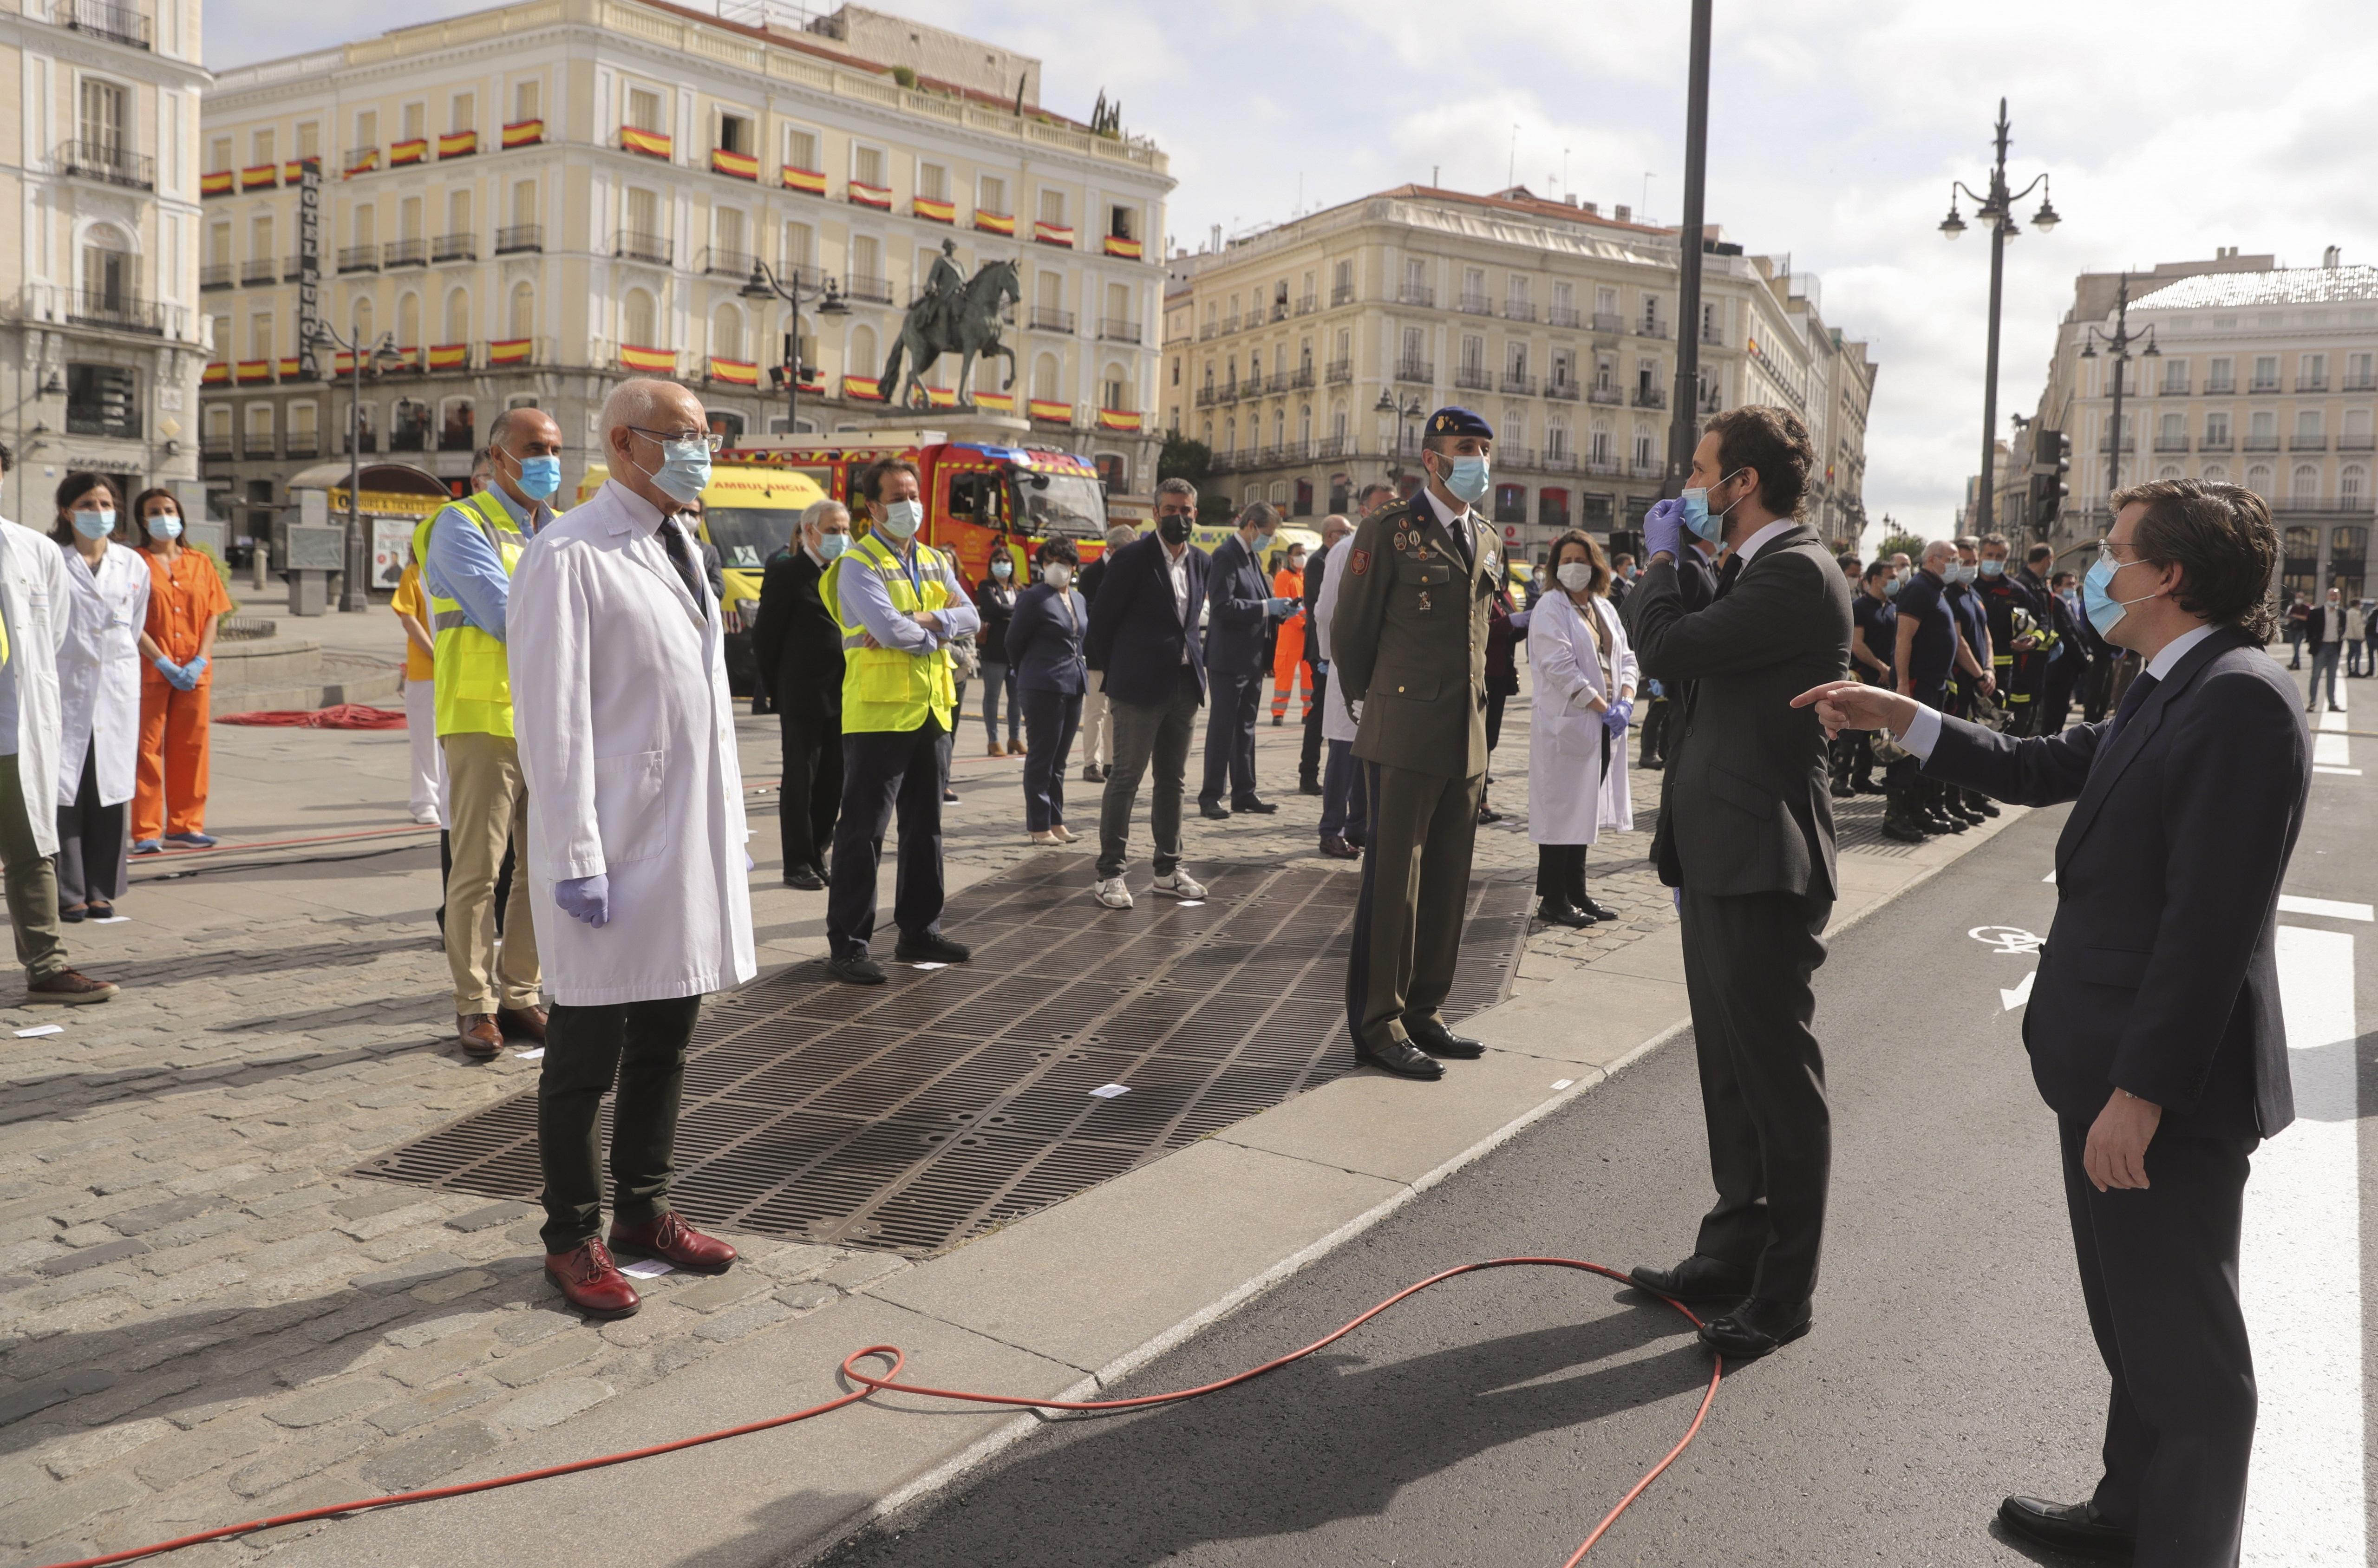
pixel 1727 573
pixel 682 559
pixel 2137 694
pixel 1457 530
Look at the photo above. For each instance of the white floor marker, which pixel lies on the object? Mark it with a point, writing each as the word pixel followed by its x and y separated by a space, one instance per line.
pixel 2300 1274
pixel 2334 908
pixel 2009 1000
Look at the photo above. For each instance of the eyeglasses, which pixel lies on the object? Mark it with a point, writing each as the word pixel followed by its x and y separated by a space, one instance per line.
pixel 2112 562
pixel 706 438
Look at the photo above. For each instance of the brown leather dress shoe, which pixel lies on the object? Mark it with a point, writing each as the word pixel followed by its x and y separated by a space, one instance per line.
pixel 670 1237
pixel 478 1035
pixel 1336 848
pixel 520 1024
pixel 591 1281
pixel 68 989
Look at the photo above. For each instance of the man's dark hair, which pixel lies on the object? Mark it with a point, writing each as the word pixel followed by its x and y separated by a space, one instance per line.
pixel 1177 486
pixel 1998 539
pixel 870 484
pixel 1880 568
pixel 1259 514
pixel 2222 539
pixel 1366 499
pixel 1620 559
pixel 1849 561
pixel 2059 577
pixel 1057 550
pixel 1771 441
pixel 2038 553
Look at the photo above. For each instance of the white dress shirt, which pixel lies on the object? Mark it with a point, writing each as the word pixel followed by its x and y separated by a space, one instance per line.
pixel 1176 567
pixel 1924 733
pixel 1757 540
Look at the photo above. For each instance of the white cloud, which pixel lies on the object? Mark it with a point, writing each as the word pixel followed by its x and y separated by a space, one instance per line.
pixel 1836 127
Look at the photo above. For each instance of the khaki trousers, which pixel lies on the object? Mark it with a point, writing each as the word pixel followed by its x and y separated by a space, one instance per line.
pixel 33 881
pixel 487 802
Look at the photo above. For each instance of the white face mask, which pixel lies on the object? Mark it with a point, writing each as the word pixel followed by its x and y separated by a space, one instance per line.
pixel 1058 575
pixel 1575 576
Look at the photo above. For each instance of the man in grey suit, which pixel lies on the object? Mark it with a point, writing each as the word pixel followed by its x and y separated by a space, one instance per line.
pixel 1240 607
pixel 1746 835
pixel 2155 1027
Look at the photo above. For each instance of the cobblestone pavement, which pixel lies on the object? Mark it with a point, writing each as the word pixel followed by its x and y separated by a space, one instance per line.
pixel 202 1319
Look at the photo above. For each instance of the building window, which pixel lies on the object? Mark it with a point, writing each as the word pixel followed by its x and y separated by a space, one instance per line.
pixel 2218 377
pixel 990 196
pixel 104 119
pixel 636 322
pixel 522 319
pixel 1114 473
pixel 734 134
pixel 526 97
pixel 2175 377
pixel 644 110
pixel 932 182
pixel 801 148
pixel 416 119
pixel 1123 222
pixel 1552 508
pixel 1052 206
pixel 1303 504
pixel 726 332
pixel 464 112
pixel 1510 503
pixel 2267 373
pixel 102 399
pixel 458 426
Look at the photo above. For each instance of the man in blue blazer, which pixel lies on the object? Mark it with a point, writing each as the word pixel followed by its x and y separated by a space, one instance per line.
pixel 2155 1027
pixel 1240 608
pixel 1145 634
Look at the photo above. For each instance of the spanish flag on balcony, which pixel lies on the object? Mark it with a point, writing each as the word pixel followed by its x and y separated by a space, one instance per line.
pixel 253 370
pixel 809 182
pixel 742 165
pixel 865 195
pixel 939 398
pixel 994 222
pixel 865 387
pixel 293 174
pixel 220 183
pixel 449 356
pixel 660 362
pixel 652 144
pixel 936 212
pixel 342 363
pixel 216 375
pixel 1047 233
pixel 734 371
pixel 1117 419
pixel 402 153
pixel 260 176
pixel 1118 245
pixel 1050 413
pixel 288 368
pixel 367 160
pixel 458 144
pixel 525 133
pixel 998 403
pixel 509 351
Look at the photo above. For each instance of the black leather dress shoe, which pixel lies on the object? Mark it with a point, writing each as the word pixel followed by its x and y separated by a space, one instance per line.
pixel 2074 1528
pixel 801 877
pixel 1599 911
pixel 856 970
pixel 1758 1327
pixel 1401 1058
pixel 1308 786
pixel 1560 911
pixel 1213 811
pixel 1337 848
pixel 1433 1036
pixel 1698 1278
pixel 1254 807
pixel 930 947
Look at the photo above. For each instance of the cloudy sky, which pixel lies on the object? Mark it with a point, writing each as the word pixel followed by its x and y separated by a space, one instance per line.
pixel 1835 127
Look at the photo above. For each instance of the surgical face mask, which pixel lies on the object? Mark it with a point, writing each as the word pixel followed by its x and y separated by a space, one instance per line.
pixel 1993 568
pixel 1468 479
pixel 830 545
pixel 165 525
pixel 1891 588
pixel 900 518
pixel 1173 528
pixel 684 470
pixel 1058 575
pixel 1961 572
pixel 2105 611
pixel 1697 513
pixel 1002 569
pixel 540 477
pixel 1575 576
pixel 95 525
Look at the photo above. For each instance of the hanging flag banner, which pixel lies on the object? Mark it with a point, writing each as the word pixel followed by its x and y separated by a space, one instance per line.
pixel 1117 419
pixel 220 183
pixel 525 133
pixel 458 144
pixel 652 144
pixel 402 153
pixel 449 356
pixel 509 351
pixel 1119 244
pixel 260 176
pixel 809 182
pixel 216 375
pixel 865 195
pixel 1047 233
pixel 935 212
pixel 661 360
pixel 363 161
pixel 742 165
pixel 996 222
pixel 255 370
pixel 998 403
pixel 735 371
pixel 864 387
pixel 1050 413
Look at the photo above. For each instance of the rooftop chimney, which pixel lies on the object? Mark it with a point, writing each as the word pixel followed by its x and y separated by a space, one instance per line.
pixel 1623 212
pixel 2332 259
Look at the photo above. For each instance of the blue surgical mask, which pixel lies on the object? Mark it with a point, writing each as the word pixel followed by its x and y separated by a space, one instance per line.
pixel 1891 588
pixel 1697 513
pixel 1993 568
pixel 1468 479
pixel 540 477
pixel 831 545
pixel 95 525
pixel 685 470
pixel 1002 569
pixel 901 519
pixel 2105 611
pixel 165 526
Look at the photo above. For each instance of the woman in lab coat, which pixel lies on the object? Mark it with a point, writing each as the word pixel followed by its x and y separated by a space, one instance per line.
pixel 99 696
pixel 1585 679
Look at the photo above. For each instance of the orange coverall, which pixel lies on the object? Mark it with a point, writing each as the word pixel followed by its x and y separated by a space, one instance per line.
pixel 1290 650
pixel 183 598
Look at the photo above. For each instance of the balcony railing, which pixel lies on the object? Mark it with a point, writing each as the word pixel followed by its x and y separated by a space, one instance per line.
pixel 1561 316
pixel 2312 383
pixel 2171 443
pixel 265 272
pixel 217 275
pixel 874 291
pixel 2311 503
pixel 2302 443
pixel 1608 321
pixel 122 24
pixel 2220 388
pixel 1208 397
pixel 630 245
pixel 1561 391
pixel 455 247
pixel 1518 385
pixel 1300 379
pixel 1420 370
pixel 2251 444
pixel 2175 388
pixel 1231 323
pixel 1048 319
pixel 1651 396
pixel 124 312
pixel 1712 402
pixel 2356 444
pixel 405 253
pixel 1712 335
pixel 1276 383
pixel 2220 443
pixel 1116 330
pixel 1648 328
pixel 2365 382
pixel 302 444
pixel 107 162
pixel 520 237
pixel 1514 457
pixel 2263 387
pixel 2131 444
pixel 1519 310
pixel 219 447
pixel 1416 293
pixel 727 263
pixel 293 268
pixel 1648 468
pixel 1602 395
pixel 1558 462
pixel 1476 305
pixel 1341 294
pixel 1338 370
pixel 1474 378
pixel 1305 303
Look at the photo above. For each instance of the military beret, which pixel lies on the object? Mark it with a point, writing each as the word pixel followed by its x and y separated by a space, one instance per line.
pixel 1455 420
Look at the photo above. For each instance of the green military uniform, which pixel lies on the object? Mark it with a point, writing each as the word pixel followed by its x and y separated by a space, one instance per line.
pixel 1409 643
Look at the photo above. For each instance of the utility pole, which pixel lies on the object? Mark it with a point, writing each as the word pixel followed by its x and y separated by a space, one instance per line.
pixel 1684 424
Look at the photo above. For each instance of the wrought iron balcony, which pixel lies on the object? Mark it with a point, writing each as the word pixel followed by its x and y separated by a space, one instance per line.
pixel 1519 310
pixel 1651 396
pixel 2171 443
pixel 1649 329
pixel 1339 370
pixel 725 263
pixel 1342 293
pixel 1561 316
pixel 1116 330
pixel 264 271
pixel 1420 370
pixel 1518 385
pixel 1417 293
pixel 1048 319
pixel 629 246
pixel 359 258
pixel 1475 378
pixel 121 310
pixel 2302 443
pixel 1602 395
pixel 1608 321
pixel 108 161
pixel 120 24
pixel 455 247
pixel 1476 305
pixel 405 253
pixel 217 275
pixel 1561 391
pixel 1306 304
pixel 520 237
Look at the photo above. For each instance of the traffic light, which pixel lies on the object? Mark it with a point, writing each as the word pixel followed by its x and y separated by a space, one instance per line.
pixel 2052 460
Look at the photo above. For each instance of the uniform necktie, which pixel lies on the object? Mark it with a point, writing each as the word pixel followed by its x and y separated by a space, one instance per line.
pixel 1727 573
pixel 682 559
pixel 2138 693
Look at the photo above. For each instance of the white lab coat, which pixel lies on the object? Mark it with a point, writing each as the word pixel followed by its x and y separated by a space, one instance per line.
pixel 33 595
pixel 98 671
pixel 1569 798
pixel 627 740
pixel 1337 719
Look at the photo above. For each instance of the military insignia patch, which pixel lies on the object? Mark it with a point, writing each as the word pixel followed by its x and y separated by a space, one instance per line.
pixel 1360 562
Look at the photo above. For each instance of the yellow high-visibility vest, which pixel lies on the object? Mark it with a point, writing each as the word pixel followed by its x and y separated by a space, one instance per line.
pixel 887 689
pixel 473 683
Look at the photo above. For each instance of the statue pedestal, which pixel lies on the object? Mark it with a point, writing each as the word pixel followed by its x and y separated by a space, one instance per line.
pixel 954 425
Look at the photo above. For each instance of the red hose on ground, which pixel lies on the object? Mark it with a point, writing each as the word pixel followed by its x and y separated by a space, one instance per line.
pixel 888 1383
pixel 338 716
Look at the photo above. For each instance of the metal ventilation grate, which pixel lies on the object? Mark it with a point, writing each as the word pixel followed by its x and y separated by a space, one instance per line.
pixel 913 1116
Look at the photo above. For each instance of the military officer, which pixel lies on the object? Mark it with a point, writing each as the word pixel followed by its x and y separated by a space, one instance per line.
pixel 1409 642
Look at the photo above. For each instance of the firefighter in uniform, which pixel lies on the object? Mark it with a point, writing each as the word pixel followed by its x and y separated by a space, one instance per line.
pixel 2019 639
pixel 1409 642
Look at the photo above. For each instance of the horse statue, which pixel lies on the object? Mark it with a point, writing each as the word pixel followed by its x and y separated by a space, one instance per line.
pixel 964 322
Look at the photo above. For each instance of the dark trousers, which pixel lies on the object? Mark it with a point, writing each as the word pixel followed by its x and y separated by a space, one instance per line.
pixel 93 849
pixel 999 680
pixel 810 796
pixel 885 772
pixel 1145 735
pixel 1050 721
pixel 1232 701
pixel 1308 756
pixel 2159 1276
pixel 1656 715
pixel 1345 794
pixel 1415 894
pixel 2097 686
pixel 1560 873
pixel 1749 965
pixel 2065 678
pixel 641 1045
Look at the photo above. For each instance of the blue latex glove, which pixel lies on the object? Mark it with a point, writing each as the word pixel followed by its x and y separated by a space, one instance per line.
pixel 1664 528
pixel 178 678
pixel 1618 716
pixel 196 667
pixel 1283 608
pixel 585 898
pixel 1519 619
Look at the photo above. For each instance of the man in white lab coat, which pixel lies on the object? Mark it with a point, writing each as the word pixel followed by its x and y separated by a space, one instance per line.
pixel 635 835
pixel 32 627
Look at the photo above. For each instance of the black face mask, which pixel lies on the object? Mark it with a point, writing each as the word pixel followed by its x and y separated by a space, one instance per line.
pixel 1173 528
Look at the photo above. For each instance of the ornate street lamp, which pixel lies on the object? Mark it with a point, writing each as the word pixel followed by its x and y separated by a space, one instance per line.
pixel 380 357
pixel 2117 352
pixel 765 284
pixel 1998 209
pixel 1403 415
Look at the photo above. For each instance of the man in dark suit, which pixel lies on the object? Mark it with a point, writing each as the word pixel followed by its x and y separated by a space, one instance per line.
pixel 1308 758
pixel 1241 608
pixel 1696 586
pixel 1144 632
pixel 2155 1026
pixel 799 652
pixel 1746 835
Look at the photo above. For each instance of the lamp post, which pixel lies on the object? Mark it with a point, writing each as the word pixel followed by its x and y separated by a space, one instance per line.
pixel 1998 207
pixel 764 284
pixel 1404 413
pixel 381 353
pixel 2118 353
